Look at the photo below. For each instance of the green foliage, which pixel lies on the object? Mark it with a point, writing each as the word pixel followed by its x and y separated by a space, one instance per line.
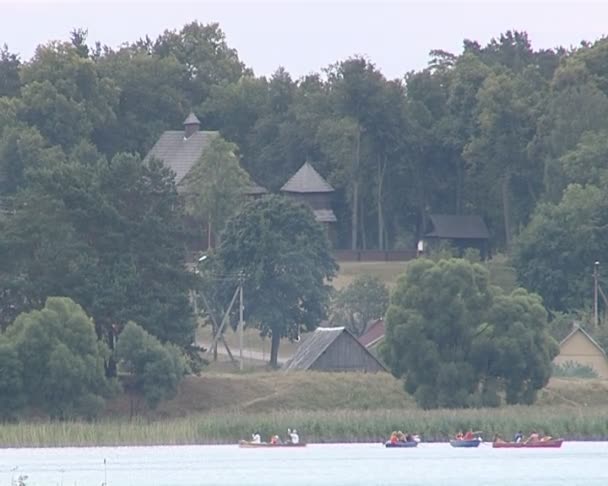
pixel 61 359
pixel 216 185
pixel 284 255
pixel 12 397
pixel 571 369
pixel 364 299
pixel 157 369
pixel 107 234
pixel 555 253
pixel 458 342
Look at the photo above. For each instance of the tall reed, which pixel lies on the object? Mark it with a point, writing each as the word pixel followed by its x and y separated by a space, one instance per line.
pixel 330 426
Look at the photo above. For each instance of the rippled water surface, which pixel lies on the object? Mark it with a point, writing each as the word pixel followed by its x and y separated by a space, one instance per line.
pixel 576 463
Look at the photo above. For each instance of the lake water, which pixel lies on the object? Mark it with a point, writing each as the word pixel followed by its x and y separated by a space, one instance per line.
pixel 576 463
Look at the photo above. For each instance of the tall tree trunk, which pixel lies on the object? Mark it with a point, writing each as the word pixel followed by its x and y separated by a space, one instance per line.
pixel 381 170
pixel 209 243
pixel 459 184
pixel 274 348
pixel 355 191
pixel 506 208
pixel 362 227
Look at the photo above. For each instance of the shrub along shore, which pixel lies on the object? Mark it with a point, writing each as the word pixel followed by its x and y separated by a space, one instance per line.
pixel 582 423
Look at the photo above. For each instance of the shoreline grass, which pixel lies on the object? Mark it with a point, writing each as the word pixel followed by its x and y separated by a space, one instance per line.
pixel 314 426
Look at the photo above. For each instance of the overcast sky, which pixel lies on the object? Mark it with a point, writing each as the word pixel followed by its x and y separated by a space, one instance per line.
pixel 307 36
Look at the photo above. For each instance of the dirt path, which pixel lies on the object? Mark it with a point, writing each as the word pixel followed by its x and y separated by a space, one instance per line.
pixel 248 354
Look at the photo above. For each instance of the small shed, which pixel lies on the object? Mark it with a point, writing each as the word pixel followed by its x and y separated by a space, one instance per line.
pixel 333 349
pixel 579 347
pixel 462 231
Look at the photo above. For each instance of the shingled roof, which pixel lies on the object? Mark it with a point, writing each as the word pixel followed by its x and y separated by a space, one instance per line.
pixel 307 179
pixel 457 227
pixel 180 153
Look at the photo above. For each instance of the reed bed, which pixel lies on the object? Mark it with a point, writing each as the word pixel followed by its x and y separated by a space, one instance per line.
pixel 330 426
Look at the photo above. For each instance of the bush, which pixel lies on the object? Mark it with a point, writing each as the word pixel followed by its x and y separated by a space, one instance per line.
pixel 157 369
pixel 62 360
pixel 571 369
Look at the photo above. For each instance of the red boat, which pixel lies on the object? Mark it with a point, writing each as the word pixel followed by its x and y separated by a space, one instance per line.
pixel 553 443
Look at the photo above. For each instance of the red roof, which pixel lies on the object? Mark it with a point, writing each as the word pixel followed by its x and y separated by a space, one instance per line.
pixel 374 333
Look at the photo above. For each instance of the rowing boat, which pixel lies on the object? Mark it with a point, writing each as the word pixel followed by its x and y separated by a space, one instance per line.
pixel 412 443
pixel 252 445
pixel 541 444
pixel 465 443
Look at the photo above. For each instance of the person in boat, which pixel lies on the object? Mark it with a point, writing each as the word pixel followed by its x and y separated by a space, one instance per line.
pixel 256 438
pixel 498 439
pixel 469 435
pixel 534 437
pixel 517 438
pixel 400 437
pixel 546 438
pixel 394 439
pixel 409 438
pixel 459 436
pixel 293 436
pixel 275 440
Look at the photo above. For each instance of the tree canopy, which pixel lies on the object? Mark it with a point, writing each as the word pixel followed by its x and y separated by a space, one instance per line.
pixel 458 342
pixel 284 258
pixel 59 361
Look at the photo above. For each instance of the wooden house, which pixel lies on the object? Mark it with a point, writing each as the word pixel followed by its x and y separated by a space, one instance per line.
pixel 333 349
pixel 180 150
pixel 309 187
pixel 461 231
pixel 579 347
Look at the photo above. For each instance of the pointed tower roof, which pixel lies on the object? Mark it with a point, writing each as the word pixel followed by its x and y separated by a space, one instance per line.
pixel 192 120
pixel 307 179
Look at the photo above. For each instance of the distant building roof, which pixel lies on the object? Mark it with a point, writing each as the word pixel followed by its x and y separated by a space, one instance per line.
pixel 325 215
pixel 374 334
pixel 458 227
pixel 180 153
pixel 255 189
pixel 307 179
pixel 578 329
pixel 191 119
pixel 320 342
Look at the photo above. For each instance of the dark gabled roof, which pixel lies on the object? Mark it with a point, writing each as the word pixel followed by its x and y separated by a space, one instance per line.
pixel 325 215
pixel 255 189
pixel 584 333
pixel 307 179
pixel 458 227
pixel 180 153
pixel 192 120
pixel 316 344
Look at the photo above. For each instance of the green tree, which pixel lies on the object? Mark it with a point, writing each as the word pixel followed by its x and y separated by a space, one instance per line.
pixel 216 186
pixel 9 73
pixel 284 255
pixel 364 299
pixel 111 236
pixel 457 341
pixel 554 254
pixel 63 361
pixel 12 397
pixel 157 369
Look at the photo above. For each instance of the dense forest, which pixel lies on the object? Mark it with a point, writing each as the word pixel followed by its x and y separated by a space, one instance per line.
pixel 505 131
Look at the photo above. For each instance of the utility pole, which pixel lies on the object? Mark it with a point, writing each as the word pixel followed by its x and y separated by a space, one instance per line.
pixel 241 318
pixel 596 275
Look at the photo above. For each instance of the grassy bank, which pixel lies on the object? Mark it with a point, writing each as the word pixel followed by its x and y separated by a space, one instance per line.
pixel 329 426
pixel 219 408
